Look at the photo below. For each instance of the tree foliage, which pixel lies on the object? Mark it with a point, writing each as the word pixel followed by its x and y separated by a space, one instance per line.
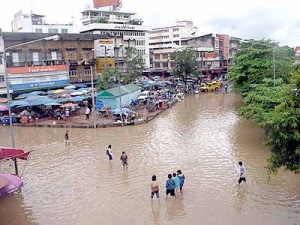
pixel 274 108
pixel 106 79
pixel 184 62
pixel 254 62
pixel 135 63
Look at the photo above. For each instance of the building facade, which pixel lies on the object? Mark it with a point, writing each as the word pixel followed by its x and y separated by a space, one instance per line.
pixel 163 41
pixel 121 25
pixel 297 55
pixel 48 64
pixel 34 23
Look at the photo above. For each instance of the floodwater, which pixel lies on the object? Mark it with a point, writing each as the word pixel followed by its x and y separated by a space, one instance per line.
pixel 202 135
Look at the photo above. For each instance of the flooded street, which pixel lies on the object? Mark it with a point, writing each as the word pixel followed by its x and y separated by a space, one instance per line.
pixel 202 135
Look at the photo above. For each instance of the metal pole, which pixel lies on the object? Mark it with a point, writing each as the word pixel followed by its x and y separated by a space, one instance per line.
pixel 93 96
pixel 119 84
pixel 274 69
pixel 12 137
pixel 105 58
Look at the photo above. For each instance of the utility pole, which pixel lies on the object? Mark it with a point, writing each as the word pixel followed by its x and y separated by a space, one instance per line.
pixel 274 69
pixel 93 95
pixel 117 48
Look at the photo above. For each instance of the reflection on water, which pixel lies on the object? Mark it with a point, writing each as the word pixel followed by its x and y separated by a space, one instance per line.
pixel 202 135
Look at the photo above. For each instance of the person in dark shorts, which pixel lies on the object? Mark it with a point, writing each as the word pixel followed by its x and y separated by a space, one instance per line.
pixel 154 187
pixel 181 177
pixel 67 141
pixel 242 173
pixel 170 186
pixel 124 158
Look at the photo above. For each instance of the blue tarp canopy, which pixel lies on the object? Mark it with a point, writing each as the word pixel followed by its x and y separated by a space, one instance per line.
pixel 77 99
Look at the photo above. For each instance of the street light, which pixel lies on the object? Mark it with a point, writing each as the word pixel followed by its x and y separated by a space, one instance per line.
pixel 7 83
pixel 119 79
pixel 55 37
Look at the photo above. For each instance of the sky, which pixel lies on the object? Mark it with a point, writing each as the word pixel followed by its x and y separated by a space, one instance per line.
pixel 248 19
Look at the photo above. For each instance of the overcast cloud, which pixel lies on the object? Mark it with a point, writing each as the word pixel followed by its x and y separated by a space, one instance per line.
pixel 275 19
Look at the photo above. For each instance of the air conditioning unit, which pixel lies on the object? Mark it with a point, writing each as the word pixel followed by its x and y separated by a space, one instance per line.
pixel 79 80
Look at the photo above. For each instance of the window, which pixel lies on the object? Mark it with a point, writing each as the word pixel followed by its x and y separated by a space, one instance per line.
pixel 157 56
pixel 34 58
pixel 156 65
pixel 175 29
pixel 165 56
pixel 165 65
pixel 64 31
pixel 71 54
pixel 1 59
pixel 176 35
pixel 1 78
pixel 18 59
pixel 38 30
pixel 52 31
pixel 54 55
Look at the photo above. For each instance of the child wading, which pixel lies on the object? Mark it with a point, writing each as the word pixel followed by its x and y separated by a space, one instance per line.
pixel 181 178
pixel 154 187
pixel 177 184
pixel 67 141
pixel 170 186
pixel 109 152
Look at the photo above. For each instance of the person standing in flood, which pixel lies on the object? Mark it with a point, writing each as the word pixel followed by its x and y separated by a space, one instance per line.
pixel 170 186
pixel 242 173
pixel 124 159
pixel 67 141
pixel 109 152
pixel 181 178
pixel 87 113
pixel 154 187
pixel 177 184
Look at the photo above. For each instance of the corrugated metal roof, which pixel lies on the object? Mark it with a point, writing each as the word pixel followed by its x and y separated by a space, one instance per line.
pixel 115 92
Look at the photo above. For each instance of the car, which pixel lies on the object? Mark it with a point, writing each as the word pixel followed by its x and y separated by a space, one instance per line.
pixel 144 95
pixel 208 87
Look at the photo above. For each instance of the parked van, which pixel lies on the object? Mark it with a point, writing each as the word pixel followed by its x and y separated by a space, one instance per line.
pixel 144 95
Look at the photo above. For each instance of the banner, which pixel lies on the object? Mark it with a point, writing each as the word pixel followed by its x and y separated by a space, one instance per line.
pixel 103 3
pixel 37 69
pixel 104 48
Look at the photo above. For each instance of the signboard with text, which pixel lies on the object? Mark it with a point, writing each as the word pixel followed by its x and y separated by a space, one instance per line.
pixel 103 3
pixel 37 69
pixel 103 45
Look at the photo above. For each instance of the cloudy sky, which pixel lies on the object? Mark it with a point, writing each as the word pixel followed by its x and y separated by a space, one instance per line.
pixel 275 19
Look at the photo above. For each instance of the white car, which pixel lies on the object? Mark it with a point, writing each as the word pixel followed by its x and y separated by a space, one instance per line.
pixel 144 95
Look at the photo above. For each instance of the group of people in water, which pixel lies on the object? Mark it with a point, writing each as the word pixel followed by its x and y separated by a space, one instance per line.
pixel 174 183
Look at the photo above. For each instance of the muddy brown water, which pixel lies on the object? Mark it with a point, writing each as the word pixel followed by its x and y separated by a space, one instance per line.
pixel 202 135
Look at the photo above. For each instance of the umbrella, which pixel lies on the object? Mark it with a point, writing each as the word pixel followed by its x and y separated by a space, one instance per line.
pixel 80 85
pixel 10 184
pixel 69 91
pixel 58 91
pixel 77 99
pixel 124 110
pixel 68 105
pixel 53 103
pixel 77 93
pixel 3 108
pixel 3 100
pixel 64 96
pixel 62 100
pixel 70 87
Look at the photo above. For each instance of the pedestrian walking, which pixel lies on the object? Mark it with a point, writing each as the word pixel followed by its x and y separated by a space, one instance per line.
pixel 67 141
pixel 226 87
pixel 177 184
pixel 170 186
pixel 154 187
pixel 109 152
pixel 181 178
pixel 242 173
pixel 87 113
pixel 124 159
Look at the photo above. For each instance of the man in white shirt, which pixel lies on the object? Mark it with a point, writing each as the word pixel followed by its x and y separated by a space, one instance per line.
pixel 242 173
pixel 87 113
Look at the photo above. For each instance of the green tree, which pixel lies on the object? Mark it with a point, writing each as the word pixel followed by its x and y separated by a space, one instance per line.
pixel 135 63
pixel 283 131
pixel 106 79
pixel 184 63
pixel 254 62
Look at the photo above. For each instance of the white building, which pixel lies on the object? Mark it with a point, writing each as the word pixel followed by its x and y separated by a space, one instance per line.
pixel 2 75
pixel 165 40
pixel 35 23
pixel 116 23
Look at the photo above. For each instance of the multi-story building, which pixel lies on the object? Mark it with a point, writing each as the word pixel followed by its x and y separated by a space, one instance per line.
pixel 215 52
pixel 118 24
pixel 163 41
pixel 47 64
pixel 34 23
